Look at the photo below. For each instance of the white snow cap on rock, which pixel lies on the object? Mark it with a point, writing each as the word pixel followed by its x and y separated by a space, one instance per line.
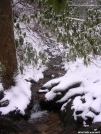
pixel 90 89
pixel 18 96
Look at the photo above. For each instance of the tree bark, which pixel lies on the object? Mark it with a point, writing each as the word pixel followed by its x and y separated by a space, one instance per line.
pixel 7 45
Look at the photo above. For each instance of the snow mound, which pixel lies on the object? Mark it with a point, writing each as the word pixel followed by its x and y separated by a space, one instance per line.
pixel 18 96
pixel 88 93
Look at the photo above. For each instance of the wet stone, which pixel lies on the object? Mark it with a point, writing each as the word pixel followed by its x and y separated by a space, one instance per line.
pixel 95 112
pixel 83 100
pixel 78 112
pixel 80 119
pixel 4 103
pixel 89 120
pixel 66 115
pixel 1 94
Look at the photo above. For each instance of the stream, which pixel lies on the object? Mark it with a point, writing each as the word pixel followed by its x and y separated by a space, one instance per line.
pixel 43 121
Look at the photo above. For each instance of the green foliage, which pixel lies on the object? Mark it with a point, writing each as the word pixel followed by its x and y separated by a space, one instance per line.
pixel 77 28
pixel 28 20
pixel 14 20
pixel 21 40
pixel 24 34
pixel 18 26
pixel 16 43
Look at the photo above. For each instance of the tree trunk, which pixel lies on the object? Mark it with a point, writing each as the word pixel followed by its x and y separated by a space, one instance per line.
pixel 7 45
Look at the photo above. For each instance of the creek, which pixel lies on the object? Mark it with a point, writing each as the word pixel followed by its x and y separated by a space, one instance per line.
pixel 46 122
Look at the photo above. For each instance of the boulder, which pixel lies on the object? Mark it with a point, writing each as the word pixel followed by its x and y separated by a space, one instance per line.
pixel 1 94
pixel 50 105
pixel 66 115
pixel 15 114
pixel 4 103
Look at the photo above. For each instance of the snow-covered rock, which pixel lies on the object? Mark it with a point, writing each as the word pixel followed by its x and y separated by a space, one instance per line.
pixel 83 85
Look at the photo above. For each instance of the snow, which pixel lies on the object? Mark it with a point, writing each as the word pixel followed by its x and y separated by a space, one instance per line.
pixel 33 73
pixel 18 96
pixel 89 89
pixel 41 91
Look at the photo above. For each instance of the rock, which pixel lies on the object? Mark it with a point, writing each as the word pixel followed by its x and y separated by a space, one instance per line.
pixel 1 94
pixel 93 128
pixel 80 119
pixel 48 75
pixel 89 120
pixel 28 110
pixel 93 110
pixel 4 103
pixel 50 105
pixel 31 80
pixel 94 98
pixel 53 105
pixel 17 115
pixel 66 116
pixel 83 100
pixel 78 112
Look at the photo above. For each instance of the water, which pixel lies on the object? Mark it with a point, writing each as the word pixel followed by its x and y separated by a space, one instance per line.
pixel 36 112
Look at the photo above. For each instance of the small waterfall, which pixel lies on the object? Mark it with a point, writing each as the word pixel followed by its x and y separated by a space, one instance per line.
pixel 36 112
pixel 36 107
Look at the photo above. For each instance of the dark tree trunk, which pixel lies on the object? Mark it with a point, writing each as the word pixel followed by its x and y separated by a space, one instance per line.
pixel 7 46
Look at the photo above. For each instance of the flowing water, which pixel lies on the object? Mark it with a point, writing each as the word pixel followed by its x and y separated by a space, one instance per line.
pixel 47 122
